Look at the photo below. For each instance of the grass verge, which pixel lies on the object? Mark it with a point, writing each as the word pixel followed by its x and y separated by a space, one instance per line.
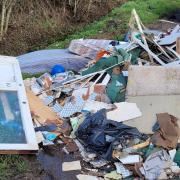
pixel 115 23
pixel 11 165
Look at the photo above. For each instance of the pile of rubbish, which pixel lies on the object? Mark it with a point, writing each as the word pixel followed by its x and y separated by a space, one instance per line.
pixel 114 112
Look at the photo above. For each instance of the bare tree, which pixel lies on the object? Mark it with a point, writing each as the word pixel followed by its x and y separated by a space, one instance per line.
pixel 6 10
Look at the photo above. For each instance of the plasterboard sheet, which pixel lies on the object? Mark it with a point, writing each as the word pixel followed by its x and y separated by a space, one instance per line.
pixel 153 80
pixel 124 111
pixel 150 106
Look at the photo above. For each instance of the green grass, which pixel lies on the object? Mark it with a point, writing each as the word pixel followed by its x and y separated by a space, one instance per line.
pixel 11 165
pixel 148 10
pixel 27 75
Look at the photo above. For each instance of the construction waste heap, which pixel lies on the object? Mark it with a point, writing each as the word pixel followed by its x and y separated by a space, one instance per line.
pixel 114 108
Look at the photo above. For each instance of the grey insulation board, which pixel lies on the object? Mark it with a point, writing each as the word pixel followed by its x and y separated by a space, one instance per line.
pixel 155 89
pixel 153 80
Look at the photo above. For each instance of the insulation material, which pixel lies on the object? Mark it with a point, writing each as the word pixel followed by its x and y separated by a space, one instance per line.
pixel 154 89
pixel 44 60
pixel 41 111
pixel 153 80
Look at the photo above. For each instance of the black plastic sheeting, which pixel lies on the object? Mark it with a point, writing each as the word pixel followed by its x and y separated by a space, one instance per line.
pixel 93 132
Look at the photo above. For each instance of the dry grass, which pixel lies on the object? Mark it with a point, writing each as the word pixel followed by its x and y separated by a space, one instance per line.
pixel 36 23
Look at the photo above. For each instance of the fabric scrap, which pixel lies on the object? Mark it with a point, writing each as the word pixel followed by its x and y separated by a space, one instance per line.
pixel 168 134
pixel 49 127
pixel 177 157
pixel 119 56
pixel 75 123
pixel 155 164
pixel 116 88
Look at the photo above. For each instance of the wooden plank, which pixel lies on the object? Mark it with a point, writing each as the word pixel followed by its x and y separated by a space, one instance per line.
pixel 138 22
pixel 18 151
pixel 37 106
pixel 178 45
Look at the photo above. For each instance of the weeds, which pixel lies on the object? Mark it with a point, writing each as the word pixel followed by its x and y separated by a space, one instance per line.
pixel 11 165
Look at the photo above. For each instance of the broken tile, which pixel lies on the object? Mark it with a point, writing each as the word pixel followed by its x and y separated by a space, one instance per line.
pixel 86 177
pixel 120 169
pixel 113 175
pixel 71 166
pixel 131 159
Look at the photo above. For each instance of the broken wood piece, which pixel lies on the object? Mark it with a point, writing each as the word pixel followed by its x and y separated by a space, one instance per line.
pixel 139 24
pixel 149 52
pixel 39 137
pixel 142 145
pixel 166 21
pixel 173 51
pixel 42 111
pixel 178 45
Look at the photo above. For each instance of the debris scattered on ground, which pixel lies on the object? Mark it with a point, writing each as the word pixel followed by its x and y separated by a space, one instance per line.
pixel 119 112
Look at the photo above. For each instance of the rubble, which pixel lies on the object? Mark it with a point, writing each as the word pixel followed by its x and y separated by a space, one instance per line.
pixel 119 112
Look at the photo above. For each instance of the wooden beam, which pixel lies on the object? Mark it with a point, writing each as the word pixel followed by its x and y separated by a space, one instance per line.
pixel 178 45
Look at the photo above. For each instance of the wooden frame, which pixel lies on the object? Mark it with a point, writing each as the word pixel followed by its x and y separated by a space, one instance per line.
pixel 11 80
